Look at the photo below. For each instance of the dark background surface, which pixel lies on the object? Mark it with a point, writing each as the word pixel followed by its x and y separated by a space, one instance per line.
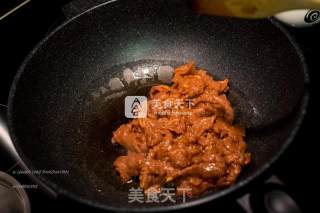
pixel 21 31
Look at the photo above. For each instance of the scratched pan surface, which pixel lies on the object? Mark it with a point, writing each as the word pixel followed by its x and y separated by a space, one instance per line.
pixel 68 95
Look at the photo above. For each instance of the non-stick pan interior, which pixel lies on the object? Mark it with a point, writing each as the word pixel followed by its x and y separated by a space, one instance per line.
pixel 63 107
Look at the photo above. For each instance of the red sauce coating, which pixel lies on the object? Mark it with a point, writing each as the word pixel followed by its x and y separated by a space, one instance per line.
pixel 193 144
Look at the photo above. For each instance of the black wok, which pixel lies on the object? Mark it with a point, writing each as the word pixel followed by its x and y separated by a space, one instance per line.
pixel 61 110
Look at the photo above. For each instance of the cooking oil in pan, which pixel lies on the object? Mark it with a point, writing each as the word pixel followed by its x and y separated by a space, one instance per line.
pixel 105 111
